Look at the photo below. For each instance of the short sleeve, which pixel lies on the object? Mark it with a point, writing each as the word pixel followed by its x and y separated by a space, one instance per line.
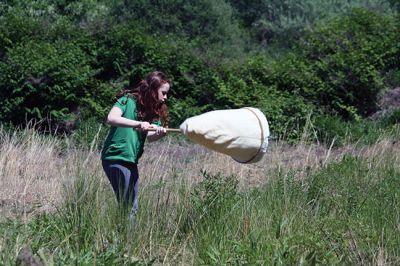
pixel 121 103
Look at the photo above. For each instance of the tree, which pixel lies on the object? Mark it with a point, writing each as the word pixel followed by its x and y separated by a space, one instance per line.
pixel 208 22
pixel 286 20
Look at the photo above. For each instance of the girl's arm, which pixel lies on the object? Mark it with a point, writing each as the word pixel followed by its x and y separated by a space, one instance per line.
pixel 115 119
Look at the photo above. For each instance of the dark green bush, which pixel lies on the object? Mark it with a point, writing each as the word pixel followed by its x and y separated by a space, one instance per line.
pixel 89 133
pixel 28 28
pixel 348 57
pixel 39 79
pixel 277 22
pixel 391 119
pixel 55 63
pixel 211 23
pixel 333 129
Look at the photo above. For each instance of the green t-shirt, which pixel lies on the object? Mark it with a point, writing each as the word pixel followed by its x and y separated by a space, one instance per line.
pixel 124 143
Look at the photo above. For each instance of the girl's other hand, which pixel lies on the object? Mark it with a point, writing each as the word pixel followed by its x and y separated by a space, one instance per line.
pixel 160 131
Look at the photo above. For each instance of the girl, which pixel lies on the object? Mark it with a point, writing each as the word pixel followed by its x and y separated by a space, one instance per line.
pixel 135 111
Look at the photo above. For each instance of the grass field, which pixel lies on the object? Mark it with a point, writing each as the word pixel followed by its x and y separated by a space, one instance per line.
pixel 302 204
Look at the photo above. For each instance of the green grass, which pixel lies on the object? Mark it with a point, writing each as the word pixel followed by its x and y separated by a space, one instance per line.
pixel 346 212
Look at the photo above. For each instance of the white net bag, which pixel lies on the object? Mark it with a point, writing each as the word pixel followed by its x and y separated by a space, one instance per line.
pixel 239 133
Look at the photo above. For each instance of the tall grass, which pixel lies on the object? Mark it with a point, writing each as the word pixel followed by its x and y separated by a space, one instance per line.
pixel 304 204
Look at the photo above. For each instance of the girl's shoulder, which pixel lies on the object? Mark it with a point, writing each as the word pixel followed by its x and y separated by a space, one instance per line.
pixel 127 99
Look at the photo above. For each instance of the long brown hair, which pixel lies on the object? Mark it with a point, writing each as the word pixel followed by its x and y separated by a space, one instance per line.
pixel 149 107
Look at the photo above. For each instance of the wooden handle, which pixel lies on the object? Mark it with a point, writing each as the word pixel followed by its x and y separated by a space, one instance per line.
pixel 168 129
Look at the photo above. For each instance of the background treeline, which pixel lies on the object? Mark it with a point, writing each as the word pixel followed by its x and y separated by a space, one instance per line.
pixel 62 61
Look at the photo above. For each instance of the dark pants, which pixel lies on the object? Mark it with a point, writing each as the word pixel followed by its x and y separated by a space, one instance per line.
pixel 124 179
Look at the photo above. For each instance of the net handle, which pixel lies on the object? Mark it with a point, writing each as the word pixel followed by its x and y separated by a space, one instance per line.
pixel 177 130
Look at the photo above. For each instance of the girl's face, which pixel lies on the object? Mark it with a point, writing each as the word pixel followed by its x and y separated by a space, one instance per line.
pixel 162 92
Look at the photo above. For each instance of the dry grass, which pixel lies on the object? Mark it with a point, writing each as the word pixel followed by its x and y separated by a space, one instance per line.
pixel 28 173
pixel 33 168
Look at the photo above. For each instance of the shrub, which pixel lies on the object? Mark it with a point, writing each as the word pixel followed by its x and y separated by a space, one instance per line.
pixel 364 132
pixel 39 79
pixel 348 56
pixel 282 22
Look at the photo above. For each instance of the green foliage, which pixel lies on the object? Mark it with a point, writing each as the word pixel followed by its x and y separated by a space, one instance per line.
pixel 338 66
pixel 392 78
pixel 88 13
pixel 283 22
pixel 395 4
pixel 81 53
pixel 211 22
pixel 40 79
pixel 349 55
pixel 84 12
pixel 47 70
pixel 89 133
pixel 27 29
pixel 334 130
pixel 392 118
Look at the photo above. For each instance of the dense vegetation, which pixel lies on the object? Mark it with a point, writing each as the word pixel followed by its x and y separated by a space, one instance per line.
pixel 318 69
pixel 62 61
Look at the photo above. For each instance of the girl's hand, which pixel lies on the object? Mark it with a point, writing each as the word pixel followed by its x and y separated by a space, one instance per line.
pixel 143 126
pixel 160 131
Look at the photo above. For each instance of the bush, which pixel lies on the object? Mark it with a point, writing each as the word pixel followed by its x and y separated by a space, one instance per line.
pixel 74 70
pixel 43 80
pixel 211 23
pixel 391 119
pixel 348 57
pixel 333 129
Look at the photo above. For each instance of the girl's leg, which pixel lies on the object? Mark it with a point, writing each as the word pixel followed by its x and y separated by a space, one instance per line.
pixel 133 188
pixel 124 179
